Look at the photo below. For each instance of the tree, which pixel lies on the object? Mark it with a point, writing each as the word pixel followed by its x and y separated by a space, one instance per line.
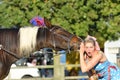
pixel 99 18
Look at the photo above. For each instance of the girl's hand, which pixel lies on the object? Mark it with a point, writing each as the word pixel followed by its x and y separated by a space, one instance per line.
pixel 82 49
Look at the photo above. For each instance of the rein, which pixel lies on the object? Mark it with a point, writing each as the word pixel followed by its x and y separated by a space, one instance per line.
pixel 9 52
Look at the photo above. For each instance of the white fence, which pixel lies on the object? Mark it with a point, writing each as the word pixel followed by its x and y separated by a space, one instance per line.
pixel 58 73
pixel 58 69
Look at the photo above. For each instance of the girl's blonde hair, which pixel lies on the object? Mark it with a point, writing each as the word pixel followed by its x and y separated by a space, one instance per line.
pixel 89 40
pixel 92 40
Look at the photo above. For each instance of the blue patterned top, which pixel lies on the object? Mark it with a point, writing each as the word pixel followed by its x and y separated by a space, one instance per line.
pixel 107 71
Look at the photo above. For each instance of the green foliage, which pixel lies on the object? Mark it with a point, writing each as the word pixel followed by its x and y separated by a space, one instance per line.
pixel 99 18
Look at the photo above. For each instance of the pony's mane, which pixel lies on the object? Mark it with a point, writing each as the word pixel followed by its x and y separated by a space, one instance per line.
pixel 27 39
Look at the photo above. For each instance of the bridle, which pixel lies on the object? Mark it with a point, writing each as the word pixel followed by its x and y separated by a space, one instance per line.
pixel 53 31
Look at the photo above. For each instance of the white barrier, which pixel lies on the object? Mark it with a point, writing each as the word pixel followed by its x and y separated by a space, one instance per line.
pixel 61 69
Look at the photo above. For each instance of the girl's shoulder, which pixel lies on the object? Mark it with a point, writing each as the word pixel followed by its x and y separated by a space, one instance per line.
pixel 103 57
pixel 99 54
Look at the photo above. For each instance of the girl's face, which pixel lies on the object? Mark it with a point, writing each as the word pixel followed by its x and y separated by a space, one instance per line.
pixel 89 48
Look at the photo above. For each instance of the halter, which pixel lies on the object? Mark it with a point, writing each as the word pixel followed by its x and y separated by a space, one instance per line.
pixel 53 31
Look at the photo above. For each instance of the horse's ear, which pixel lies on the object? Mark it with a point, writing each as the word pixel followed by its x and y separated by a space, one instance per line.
pixel 47 23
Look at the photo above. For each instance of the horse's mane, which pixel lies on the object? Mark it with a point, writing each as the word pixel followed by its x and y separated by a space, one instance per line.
pixel 27 39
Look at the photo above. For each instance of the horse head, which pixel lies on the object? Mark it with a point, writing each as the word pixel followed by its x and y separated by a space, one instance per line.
pixel 64 39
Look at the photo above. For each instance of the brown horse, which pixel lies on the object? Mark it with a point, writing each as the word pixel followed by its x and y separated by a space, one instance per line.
pixel 23 41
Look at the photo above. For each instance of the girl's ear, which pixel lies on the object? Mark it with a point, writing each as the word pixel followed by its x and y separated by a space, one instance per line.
pixel 47 23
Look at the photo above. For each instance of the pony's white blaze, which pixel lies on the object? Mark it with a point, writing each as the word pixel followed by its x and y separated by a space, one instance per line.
pixel 28 39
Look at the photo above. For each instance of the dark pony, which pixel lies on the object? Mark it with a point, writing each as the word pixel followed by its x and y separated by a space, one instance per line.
pixel 23 41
